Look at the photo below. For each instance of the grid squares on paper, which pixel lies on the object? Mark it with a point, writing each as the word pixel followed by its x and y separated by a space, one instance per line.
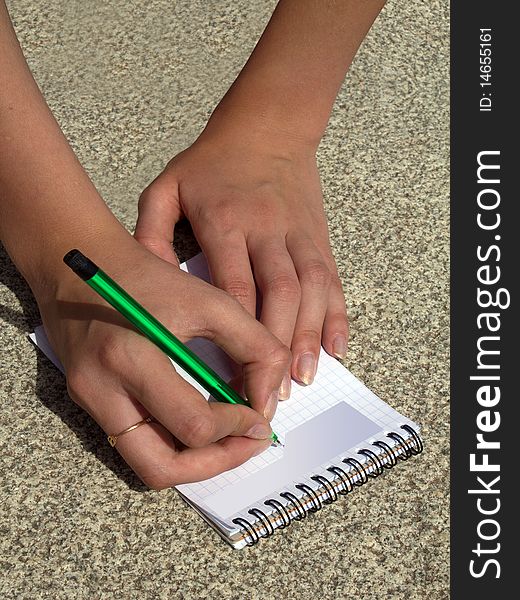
pixel 333 384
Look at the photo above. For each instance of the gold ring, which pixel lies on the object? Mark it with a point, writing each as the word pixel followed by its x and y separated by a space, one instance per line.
pixel 112 439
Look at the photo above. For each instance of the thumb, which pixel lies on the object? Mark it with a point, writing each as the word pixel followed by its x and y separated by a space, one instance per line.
pixel 158 212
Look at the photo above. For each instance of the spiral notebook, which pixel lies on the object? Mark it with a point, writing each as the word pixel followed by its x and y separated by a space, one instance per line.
pixel 336 435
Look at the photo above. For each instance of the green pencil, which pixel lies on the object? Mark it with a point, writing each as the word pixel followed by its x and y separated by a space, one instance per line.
pixel 155 331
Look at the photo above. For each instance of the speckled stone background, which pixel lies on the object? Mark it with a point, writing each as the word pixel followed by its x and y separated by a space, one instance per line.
pixel 131 84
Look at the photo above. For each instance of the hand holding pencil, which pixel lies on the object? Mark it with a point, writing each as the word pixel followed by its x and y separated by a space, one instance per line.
pixel 120 378
pixel 155 331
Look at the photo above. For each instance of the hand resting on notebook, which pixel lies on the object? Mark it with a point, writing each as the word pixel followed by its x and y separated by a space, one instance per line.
pixel 256 208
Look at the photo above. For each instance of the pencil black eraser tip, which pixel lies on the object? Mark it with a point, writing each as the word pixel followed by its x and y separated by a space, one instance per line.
pixel 80 264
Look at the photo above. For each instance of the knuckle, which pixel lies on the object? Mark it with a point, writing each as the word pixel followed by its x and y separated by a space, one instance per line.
pixel 239 289
pixel 223 217
pixel 336 284
pixel 280 355
pixel 284 287
pixel 110 353
pixel 307 338
pixel 145 198
pixel 198 431
pixel 154 245
pixel 78 385
pixel 317 274
pixel 265 211
pixel 340 320
pixel 159 198
pixel 157 477
pixel 156 485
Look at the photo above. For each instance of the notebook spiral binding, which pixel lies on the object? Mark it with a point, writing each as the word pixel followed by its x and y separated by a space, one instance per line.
pixel 293 508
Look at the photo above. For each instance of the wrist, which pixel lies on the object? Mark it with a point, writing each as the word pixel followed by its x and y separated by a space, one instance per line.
pixel 261 127
pixel 42 264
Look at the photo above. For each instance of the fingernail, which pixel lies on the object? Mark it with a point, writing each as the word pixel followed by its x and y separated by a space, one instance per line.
pixel 262 448
pixel 339 346
pixel 306 368
pixel 259 432
pixel 270 407
pixel 285 388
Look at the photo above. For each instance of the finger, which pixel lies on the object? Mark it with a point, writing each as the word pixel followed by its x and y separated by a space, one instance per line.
pixel 314 277
pixel 158 212
pixel 198 464
pixel 278 282
pixel 152 453
pixel 335 328
pixel 230 269
pixel 264 358
pixel 184 412
pixel 151 450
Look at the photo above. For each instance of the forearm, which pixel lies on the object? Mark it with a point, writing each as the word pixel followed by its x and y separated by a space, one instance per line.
pixel 47 202
pixel 291 80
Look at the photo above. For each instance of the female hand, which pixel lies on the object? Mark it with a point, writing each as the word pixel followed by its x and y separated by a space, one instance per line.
pixel 119 377
pixel 255 205
pixel 250 187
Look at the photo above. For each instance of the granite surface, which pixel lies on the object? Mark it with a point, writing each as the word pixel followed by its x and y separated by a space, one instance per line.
pixel 131 84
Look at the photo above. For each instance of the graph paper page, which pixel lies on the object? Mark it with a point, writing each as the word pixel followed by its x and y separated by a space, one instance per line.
pixel 333 416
